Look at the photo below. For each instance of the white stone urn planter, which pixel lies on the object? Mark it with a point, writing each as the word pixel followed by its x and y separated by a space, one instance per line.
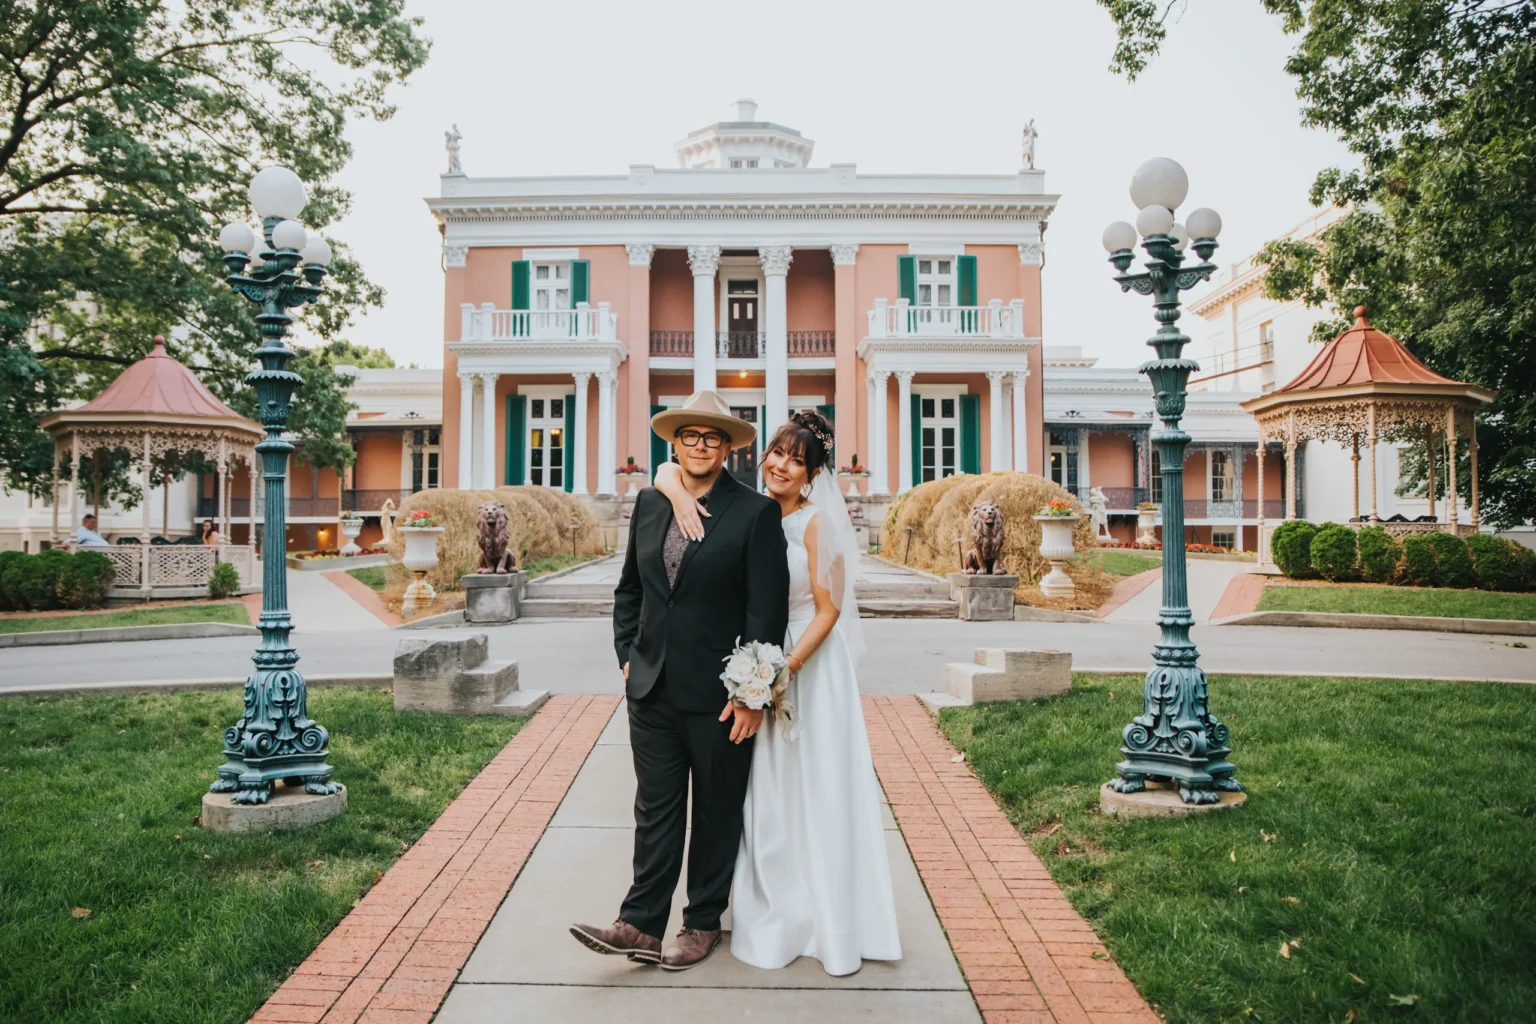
pixel 1146 519
pixel 1056 545
pixel 350 529
pixel 420 556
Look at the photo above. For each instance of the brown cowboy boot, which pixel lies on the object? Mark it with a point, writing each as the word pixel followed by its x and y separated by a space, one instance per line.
pixel 623 939
pixel 693 948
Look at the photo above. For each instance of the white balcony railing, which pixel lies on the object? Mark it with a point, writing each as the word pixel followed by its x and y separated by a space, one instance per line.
pixel 903 320
pixel 584 323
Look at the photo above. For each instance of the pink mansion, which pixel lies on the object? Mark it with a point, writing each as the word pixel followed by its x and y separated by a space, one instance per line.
pixel 906 307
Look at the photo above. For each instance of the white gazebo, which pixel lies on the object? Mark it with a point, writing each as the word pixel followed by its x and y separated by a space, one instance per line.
pixel 154 409
pixel 1362 388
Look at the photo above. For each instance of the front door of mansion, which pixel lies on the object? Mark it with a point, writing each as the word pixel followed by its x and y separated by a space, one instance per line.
pixel 742 463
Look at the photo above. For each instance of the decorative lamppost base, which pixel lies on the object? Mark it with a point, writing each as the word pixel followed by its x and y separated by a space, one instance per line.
pixel 286 809
pixel 1161 800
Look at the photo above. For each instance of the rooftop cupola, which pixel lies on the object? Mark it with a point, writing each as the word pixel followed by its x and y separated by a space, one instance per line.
pixel 744 143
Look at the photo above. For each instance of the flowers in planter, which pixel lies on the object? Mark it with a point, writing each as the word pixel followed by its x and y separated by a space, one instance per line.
pixel 418 520
pixel 323 553
pixel 853 466
pixel 1058 508
pixel 630 467
pixel 1146 506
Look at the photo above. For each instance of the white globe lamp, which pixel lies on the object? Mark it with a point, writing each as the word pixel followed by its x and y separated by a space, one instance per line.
pixel 1159 182
pixel 289 234
pixel 1179 235
pixel 277 192
pixel 1204 223
pixel 1119 236
pixel 237 237
pixel 317 252
pixel 1154 220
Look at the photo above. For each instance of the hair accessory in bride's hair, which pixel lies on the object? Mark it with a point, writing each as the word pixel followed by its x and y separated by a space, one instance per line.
pixel 810 424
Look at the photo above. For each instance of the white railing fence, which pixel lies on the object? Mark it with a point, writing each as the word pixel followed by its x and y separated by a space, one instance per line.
pixel 903 320
pixel 584 323
pixel 176 565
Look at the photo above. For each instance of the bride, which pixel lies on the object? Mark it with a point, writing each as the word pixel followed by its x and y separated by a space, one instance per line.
pixel 812 875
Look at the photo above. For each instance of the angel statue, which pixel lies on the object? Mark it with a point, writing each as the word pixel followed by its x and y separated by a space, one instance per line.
pixel 453 139
pixel 1098 512
pixel 1030 135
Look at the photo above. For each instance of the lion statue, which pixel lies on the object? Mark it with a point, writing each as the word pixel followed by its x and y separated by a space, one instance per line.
pixel 985 555
pixel 491 529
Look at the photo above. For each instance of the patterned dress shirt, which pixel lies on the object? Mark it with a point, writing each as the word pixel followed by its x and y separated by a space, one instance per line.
pixel 675 544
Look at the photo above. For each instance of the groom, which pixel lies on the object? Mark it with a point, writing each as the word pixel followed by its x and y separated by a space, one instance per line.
pixel 680 608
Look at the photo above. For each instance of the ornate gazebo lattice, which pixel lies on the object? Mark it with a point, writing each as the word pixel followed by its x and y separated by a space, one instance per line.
pixel 1363 388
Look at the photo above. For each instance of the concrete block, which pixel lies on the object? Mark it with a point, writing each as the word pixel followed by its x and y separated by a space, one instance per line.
pixel 285 809
pixel 998 673
pixel 983 598
pixel 493 597
pixel 451 677
pixel 433 659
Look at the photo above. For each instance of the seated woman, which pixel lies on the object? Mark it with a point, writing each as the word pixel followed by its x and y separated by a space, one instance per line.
pixel 211 535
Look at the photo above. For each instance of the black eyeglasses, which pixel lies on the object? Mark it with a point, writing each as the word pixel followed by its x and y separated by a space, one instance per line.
pixel 691 438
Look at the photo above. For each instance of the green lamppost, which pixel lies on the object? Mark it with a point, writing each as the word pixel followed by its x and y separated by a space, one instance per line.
pixel 1175 739
pixel 275 739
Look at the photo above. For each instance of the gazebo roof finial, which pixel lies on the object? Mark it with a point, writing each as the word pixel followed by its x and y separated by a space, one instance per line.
pixel 1360 317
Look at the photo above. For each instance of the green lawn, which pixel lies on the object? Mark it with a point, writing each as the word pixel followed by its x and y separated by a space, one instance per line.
pixel 1383 600
pixel 554 563
pixel 373 575
pixel 1122 563
pixel 230 611
pixel 99 795
pixel 1388 828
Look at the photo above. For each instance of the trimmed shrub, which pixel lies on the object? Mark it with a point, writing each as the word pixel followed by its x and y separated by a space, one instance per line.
pixel 1291 548
pixel 1455 562
pixel 223 581
pixel 1494 562
pixel 1421 566
pixel 1527 563
pixel 84 580
pixel 1333 552
pixel 9 559
pixel 1380 555
pixel 38 585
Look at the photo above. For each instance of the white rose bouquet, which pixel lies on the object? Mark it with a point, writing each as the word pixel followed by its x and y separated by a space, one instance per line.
pixel 756 676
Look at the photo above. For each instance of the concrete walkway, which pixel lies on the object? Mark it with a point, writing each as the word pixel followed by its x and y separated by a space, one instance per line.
pixel 527 967
pixel 320 606
pixel 1208 579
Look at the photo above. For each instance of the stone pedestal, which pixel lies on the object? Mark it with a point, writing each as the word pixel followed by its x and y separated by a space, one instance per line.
pixel 997 673
pixel 1160 800
pixel 455 677
pixel 983 598
pixel 493 598
pixel 286 809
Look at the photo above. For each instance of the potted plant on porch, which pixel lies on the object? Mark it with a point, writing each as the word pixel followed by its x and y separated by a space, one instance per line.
pixel 1146 518
pixel 351 526
pixel 626 474
pixel 853 476
pixel 1056 519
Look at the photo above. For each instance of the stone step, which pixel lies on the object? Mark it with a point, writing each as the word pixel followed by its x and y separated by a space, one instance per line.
pixel 520 703
pixel 567 608
pixel 560 588
pixel 908 609
pixel 919 589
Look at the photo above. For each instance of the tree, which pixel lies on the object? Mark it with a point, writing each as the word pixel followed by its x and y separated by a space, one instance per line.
pixel 346 353
pixel 1438 100
pixel 128 132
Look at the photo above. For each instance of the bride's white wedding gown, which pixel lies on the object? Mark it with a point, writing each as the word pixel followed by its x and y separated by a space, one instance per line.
pixel 813 877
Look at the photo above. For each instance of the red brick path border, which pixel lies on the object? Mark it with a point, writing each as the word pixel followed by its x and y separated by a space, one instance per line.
pixel 394 957
pixel 1128 588
pixel 364 595
pixel 1027 955
pixel 1241 596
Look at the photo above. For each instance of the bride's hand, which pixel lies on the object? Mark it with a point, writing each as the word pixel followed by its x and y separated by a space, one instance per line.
pixel 688 512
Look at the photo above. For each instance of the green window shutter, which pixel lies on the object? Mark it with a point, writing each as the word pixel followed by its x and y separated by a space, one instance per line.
pixel 581 281
pixel 517 439
pixel 906 276
pixel 967 281
pixel 970 433
pixel 570 440
pixel 659 452
pixel 917 440
pixel 522 289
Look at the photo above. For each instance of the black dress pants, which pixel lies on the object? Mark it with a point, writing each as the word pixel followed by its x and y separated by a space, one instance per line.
pixel 669 745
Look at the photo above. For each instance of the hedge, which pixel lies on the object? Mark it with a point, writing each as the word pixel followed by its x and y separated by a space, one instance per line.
pixel 1380 555
pixel 1455 562
pixel 1333 552
pixel 1496 563
pixel 1291 548
pixel 1421 566
pixel 53 579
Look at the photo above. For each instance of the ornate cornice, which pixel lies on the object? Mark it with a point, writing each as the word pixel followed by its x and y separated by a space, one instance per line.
pixel 990 208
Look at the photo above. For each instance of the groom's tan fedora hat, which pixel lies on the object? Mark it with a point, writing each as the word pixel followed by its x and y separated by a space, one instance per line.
pixel 703 409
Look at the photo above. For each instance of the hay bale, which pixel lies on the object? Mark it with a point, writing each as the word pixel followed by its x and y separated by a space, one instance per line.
pixel 458 547
pixel 562 510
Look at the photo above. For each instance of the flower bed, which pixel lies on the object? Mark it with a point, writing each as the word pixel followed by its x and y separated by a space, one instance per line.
pixel 323 553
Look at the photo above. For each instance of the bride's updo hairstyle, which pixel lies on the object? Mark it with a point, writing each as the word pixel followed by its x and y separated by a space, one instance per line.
pixel 808 436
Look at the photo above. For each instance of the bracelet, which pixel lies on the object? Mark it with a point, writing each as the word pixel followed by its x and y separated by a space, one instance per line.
pixel 794 658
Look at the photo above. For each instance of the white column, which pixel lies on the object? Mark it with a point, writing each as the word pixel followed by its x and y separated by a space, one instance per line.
pixel 869 430
pixel 1020 422
pixel 904 429
pixel 578 443
pixel 466 433
pixel 775 260
pixel 704 261
pixel 1007 434
pixel 607 436
pixel 488 430
pixel 995 419
pixel 878 441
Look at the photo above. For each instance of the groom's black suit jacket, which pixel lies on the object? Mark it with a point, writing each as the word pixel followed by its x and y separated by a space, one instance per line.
pixel 732 584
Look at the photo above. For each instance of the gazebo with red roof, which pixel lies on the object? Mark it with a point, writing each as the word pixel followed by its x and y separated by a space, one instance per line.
pixel 1365 386
pixel 154 408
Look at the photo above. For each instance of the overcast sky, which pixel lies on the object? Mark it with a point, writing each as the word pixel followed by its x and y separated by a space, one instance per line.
pixel 894 87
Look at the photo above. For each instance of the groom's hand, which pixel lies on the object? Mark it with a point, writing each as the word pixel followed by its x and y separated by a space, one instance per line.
pixel 747 721
pixel 626 671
